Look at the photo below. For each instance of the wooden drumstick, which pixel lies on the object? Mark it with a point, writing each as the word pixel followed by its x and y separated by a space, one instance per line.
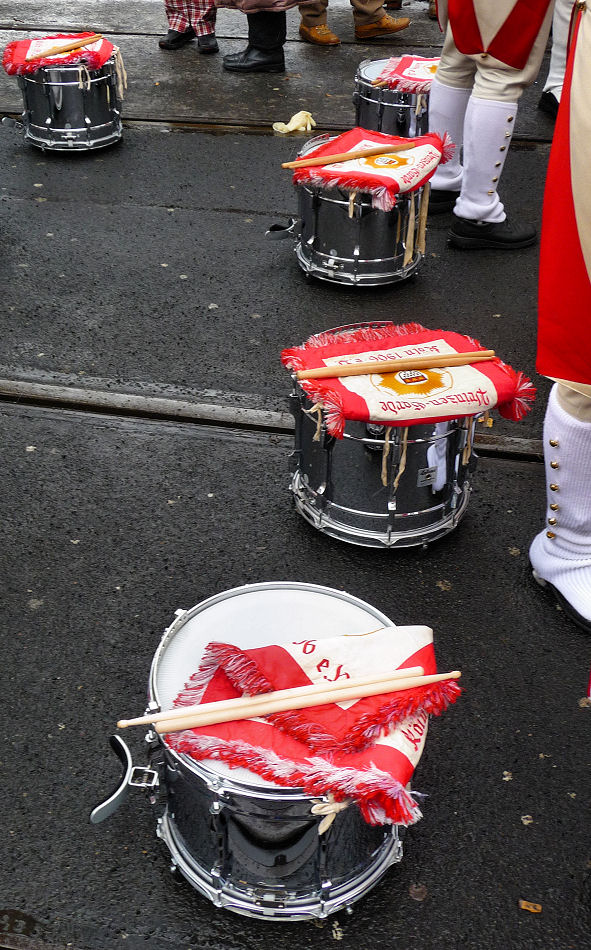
pixel 67 47
pixel 350 156
pixel 322 698
pixel 181 712
pixel 395 366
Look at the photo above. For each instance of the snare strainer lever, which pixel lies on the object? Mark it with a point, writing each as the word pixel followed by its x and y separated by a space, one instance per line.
pixel 133 777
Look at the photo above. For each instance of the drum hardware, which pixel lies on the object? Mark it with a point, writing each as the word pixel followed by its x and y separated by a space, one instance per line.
pixel 337 486
pixel 247 844
pixel 381 109
pixel 66 110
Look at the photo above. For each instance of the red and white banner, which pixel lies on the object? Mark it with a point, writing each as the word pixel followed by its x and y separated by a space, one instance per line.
pixel 382 176
pixel 412 74
pixel 365 750
pixel 408 397
pixel 564 304
pixel 24 57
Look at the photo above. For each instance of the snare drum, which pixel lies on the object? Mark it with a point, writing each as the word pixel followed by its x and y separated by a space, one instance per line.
pixel 403 488
pixel 387 110
pixel 351 242
pixel 71 108
pixel 247 844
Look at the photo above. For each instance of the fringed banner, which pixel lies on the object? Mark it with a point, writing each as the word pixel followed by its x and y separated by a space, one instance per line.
pixel 411 74
pixel 24 57
pixel 410 396
pixel 382 176
pixel 365 750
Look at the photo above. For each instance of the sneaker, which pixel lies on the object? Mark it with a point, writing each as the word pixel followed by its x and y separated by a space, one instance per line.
pixel 320 35
pixel 384 27
pixel 478 234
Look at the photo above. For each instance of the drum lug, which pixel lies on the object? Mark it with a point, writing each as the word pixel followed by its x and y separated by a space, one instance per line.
pixel 325 889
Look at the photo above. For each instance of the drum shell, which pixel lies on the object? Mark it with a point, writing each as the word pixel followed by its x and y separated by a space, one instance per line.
pixel 380 109
pixel 337 483
pixel 255 848
pixel 261 855
pixel 367 249
pixel 65 109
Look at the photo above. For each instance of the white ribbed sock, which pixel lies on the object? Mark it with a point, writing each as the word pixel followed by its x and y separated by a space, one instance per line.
pixel 447 108
pixel 488 129
pixel 561 553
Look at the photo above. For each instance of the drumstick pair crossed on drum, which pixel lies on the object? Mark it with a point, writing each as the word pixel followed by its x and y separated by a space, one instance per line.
pixel 302 697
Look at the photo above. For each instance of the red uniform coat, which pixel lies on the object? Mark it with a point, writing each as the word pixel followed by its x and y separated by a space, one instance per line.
pixel 564 307
pixel 505 29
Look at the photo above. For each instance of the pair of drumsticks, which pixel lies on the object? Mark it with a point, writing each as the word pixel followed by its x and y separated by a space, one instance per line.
pixel 302 697
pixel 69 47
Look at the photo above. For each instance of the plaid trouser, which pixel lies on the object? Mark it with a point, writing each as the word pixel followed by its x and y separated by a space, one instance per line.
pixel 200 14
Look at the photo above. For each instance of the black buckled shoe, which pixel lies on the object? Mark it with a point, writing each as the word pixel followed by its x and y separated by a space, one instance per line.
pixel 474 234
pixel 176 40
pixel 253 60
pixel 207 43
pixel 442 201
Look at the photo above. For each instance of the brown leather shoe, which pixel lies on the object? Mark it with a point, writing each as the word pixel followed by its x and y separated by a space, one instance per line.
pixel 320 35
pixel 393 4
pixel 384 27
pixel 432 10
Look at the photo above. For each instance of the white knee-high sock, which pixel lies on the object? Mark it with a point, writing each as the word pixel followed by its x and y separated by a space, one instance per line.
pixel 447 108
pixel 488 129
pixel 561 553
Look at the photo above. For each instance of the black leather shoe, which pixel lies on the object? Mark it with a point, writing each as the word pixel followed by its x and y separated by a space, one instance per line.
pixel 549 104
pixel 441 201
pixel 253 60
pixel 207 43
pixel 471 234
pixel 176 40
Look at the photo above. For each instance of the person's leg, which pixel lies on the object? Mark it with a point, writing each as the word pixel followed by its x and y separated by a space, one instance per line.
pixel 550 98
pixel 180 32
pixel 560 555
pixel 480 219
pixel 313 27
pixel 448 97
pixel 203 17
pixel 264 53
pixel 372 21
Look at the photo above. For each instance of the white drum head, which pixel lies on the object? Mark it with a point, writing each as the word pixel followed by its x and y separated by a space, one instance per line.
pixel 371 69
pixel 253 616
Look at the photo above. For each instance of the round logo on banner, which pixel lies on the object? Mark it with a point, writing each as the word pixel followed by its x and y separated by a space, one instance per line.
pixel 414 382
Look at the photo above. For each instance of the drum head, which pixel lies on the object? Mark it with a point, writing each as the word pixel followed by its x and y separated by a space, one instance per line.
pixel 253 616
pixel 370 69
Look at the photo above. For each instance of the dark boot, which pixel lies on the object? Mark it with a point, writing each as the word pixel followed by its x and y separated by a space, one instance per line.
pixel 176 40
pixel 252 60
pixel 207 43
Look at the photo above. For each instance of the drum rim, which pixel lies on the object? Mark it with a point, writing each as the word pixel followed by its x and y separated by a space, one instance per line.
pixel 206 773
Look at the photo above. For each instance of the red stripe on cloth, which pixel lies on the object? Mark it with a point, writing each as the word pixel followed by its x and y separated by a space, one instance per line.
pixel 564 300
pixel 375 780
pixel 464 26
pixel 513 42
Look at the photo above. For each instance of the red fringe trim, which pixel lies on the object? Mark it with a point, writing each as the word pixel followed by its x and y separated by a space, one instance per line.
pixel 381 798
pixel 247 679
pixel 523 397
pixel 14 66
